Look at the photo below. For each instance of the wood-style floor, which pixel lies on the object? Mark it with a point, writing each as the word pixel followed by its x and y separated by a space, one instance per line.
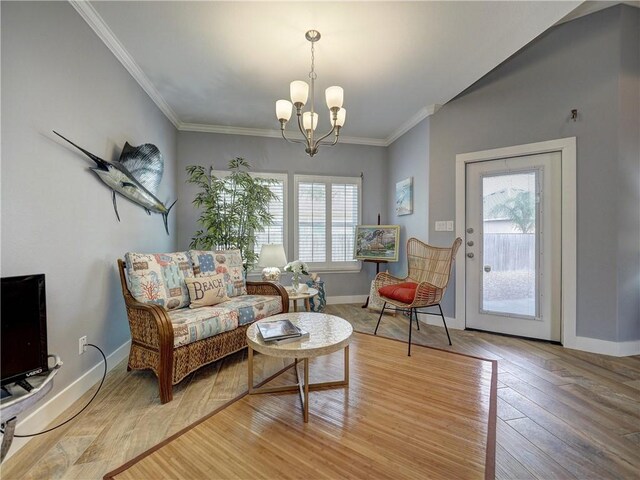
pixel 387 424
pixel 561 413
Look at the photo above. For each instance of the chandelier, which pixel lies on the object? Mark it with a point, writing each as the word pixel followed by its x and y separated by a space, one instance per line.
pixel 308 121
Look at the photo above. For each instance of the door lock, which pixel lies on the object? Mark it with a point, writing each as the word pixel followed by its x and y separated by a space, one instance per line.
pixel 487 268
pixel 470 243
pixel 469 230
pixel 470 255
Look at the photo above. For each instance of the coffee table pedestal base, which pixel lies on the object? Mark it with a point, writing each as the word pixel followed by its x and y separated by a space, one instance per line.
pixel 302 387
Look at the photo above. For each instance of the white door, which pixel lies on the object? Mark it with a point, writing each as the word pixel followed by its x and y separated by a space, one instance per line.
pixel 512 246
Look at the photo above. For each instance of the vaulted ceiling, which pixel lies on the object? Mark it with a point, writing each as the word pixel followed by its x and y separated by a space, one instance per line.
pixel 220 66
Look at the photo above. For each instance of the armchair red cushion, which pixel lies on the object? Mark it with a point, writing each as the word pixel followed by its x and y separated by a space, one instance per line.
pixel 401 292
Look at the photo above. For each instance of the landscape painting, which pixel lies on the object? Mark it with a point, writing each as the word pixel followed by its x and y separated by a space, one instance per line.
pixel 404 193
pixel 377 242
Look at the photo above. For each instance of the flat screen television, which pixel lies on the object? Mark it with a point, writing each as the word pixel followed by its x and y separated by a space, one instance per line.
pixel 24 327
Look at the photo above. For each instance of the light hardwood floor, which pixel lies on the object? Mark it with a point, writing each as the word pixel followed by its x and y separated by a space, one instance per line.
pixel 561 413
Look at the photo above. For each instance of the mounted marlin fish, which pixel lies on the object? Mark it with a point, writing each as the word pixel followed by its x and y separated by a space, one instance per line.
pixel 136 176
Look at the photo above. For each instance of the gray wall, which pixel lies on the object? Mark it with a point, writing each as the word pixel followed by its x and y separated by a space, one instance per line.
pixel 629 179
pixel 57 217
pixel 528 99
pixel 409 157
pixel 275 155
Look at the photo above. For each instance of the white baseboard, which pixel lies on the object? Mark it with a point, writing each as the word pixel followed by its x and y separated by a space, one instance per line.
pixel 347 299
pixel 40 418
pixel 605 347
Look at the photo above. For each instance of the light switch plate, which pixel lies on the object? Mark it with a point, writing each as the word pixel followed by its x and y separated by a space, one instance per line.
pixel 449 225
pixel 441 226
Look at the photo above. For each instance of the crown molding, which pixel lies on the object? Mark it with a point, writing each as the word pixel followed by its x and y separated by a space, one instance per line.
pixel 420 115
pixel 258 132
pixel 98 25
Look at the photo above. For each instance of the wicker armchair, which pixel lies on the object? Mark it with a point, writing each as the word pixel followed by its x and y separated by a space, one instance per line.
pixel 152 338
pixel 429 272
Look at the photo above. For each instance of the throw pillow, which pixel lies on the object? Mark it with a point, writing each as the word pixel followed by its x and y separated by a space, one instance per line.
pixel 206 291
pixel 159 278
pixel 226 262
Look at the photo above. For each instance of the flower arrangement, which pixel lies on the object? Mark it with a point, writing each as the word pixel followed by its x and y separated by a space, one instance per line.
pixel 296 267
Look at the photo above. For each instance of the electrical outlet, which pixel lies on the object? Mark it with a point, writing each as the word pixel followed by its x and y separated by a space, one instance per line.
pixel 82 345
pixel 441 225
pixel 449 225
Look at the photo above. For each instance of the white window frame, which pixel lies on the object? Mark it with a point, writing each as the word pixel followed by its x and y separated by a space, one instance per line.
pixel 285 189
pixel 328 266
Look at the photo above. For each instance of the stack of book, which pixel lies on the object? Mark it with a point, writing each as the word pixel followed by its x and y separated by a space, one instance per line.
pixel 280 332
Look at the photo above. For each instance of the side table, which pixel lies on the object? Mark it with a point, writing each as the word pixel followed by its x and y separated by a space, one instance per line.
pixel 295 296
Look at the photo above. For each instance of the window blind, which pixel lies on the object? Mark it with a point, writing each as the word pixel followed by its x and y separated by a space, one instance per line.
pixel 327 212
pixel 273 233
pixel 344 218
pixel 312 216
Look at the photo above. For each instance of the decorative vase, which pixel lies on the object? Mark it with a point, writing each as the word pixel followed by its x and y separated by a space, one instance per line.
pixel 295 282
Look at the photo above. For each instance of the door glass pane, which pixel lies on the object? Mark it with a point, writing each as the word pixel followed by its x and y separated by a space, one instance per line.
pixel 509 219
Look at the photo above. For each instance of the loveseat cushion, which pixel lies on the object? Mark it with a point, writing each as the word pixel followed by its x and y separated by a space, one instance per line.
pixel 190 325
pixel 254 307
pixel 158 278
pixel 227 262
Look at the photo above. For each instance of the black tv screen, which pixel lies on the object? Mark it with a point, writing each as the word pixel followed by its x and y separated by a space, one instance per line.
pixel 24 327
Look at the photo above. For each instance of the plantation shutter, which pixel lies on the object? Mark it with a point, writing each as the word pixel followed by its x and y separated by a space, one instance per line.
pixel 312 216
pixel 344 218
pixel 327 212
pixel 274 233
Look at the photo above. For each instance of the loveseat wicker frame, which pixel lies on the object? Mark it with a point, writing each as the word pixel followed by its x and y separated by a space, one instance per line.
pixel 152 338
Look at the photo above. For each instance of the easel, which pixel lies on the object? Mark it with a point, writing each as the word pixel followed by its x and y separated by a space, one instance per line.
pixel 377 262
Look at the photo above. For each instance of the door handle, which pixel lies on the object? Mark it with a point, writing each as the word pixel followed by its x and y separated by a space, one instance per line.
pixel 470 254
pixel 470 243
pixel 487 268
pixel 469 230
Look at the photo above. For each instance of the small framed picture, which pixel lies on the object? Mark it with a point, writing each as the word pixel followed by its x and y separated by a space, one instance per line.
pixel 377 242
pixel 404 196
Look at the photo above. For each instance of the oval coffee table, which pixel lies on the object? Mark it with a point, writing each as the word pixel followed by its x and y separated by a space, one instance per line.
pixel 327 334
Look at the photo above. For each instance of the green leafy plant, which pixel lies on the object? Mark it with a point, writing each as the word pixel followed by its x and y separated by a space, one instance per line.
pixel 233 208
pixel 519 209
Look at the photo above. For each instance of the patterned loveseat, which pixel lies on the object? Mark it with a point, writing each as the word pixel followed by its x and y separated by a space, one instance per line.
pixel 174 340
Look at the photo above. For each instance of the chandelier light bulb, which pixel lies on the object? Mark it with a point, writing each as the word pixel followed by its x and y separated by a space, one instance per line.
pixel 283 110
pixel 342 116
pixel 299 92
pixel 306 121
pixel 334 96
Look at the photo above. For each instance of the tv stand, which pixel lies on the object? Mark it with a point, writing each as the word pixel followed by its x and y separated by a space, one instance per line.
pixel 5 393
pixel 18 401
pixel 26 385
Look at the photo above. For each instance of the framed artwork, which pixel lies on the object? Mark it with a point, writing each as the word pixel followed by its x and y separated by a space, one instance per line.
pixel 377 242
pixel 404 196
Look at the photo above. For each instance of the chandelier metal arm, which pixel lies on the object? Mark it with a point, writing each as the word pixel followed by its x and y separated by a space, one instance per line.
pixel 319 141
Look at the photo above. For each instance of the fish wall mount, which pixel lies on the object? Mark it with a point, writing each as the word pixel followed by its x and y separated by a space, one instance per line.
pixel 136 175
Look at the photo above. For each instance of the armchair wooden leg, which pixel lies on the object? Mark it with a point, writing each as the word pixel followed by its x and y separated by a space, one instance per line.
pixel 445 324
pixel 375 332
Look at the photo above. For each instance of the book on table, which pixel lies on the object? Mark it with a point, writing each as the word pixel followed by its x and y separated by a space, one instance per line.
pixel 304 335
pixel 278 330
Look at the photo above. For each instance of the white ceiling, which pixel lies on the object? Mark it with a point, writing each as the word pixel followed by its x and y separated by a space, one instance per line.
pixel 220 66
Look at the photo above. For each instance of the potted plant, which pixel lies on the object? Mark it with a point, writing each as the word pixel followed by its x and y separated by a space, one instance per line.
pixel 233 209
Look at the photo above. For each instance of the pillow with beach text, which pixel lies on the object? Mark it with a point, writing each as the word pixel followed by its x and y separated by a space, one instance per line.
pixel 206 291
